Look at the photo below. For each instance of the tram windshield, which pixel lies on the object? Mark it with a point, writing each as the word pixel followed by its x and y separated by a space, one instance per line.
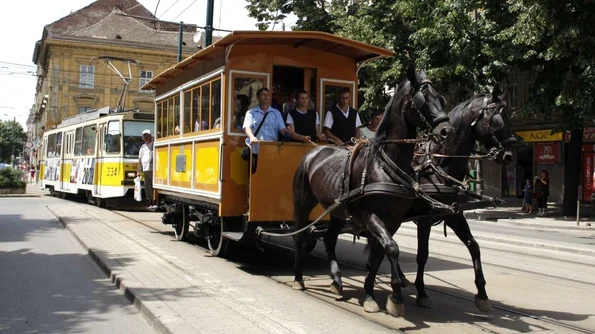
pixel 133 139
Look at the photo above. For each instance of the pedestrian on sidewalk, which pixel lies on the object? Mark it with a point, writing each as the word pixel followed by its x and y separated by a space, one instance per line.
pixel 32 174
pixel 528 197
pixel 145 165
pixel 542 191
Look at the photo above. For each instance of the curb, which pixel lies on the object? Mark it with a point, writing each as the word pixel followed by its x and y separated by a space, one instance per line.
pixel 160 323
pixel 18 195
pixel 515 222
pixel 525 243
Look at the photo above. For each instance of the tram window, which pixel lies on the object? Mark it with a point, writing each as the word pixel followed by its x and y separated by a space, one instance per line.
pixel 133 139
pixel 176 115
pixel 216 104
pixel 196 109
pixel 205 106
pixel 51 146
pixel 112 138
pixel 78 142
pixel 58 144
pixel 188 112
pixel 89 138
pixel 244 89
pixel 170 117
pixel 159 119
pixel 331 96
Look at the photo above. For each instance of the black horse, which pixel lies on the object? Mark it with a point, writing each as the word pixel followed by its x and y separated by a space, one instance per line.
pixel 482 118
pixel 328 173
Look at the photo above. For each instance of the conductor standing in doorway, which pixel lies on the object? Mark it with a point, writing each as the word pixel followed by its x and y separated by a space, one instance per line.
pixel 145 165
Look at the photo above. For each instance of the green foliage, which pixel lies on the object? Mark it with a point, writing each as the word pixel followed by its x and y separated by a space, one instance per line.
pixel 465 45
pixel 11 136
pixel 11 179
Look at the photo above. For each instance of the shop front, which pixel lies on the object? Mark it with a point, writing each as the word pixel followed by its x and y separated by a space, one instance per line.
pixel 588 170
pixel 539 150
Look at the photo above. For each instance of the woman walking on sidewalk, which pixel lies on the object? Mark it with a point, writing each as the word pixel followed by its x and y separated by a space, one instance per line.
pixel 542 191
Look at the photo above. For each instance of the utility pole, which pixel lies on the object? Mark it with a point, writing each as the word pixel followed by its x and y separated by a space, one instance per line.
pixel 180 38
pixel 209 25
pixel 14 121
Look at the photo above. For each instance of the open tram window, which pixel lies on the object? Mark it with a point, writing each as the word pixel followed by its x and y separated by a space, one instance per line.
pixel 112 137
pixel 188 111
pixel 205 105
pixel 196 109
pixel 176 115
pixel 78 142
pixel 287 81
pixel 89 138
pixel 133 138
pixel 244 89
pixel 216 104
pixel 51 146
pixel 331 95
pixel 160 120
pixel 59 144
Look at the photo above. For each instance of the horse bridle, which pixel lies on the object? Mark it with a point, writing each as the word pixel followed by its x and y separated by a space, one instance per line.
pixel 488 111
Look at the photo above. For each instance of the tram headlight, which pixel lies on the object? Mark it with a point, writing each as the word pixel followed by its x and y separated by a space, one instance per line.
pixel 131 175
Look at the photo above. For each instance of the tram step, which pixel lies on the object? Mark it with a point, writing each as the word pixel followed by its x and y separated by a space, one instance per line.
pixel 235 236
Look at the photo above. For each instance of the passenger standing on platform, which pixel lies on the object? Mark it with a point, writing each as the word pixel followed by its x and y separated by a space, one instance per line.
pixel 342 122
pixel 303 122
pixel 542 191
pixel 145 166
pixel 369 131
pixel 271 128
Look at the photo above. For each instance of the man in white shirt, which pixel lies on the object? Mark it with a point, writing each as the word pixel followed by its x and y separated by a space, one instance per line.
pixel 303 122
pixel 369 131
pixel 145 165
pixel 342 122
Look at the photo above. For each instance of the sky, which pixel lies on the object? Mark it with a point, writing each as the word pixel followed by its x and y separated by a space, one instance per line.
pixel 24 26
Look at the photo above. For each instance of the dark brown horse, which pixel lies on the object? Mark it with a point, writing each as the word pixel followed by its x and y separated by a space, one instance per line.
pixel 483 118
pixel 328 173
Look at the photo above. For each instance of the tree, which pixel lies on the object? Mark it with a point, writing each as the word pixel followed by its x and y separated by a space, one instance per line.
pixel 12 139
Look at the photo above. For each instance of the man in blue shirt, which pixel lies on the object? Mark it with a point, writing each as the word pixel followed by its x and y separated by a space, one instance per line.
pixel 270 130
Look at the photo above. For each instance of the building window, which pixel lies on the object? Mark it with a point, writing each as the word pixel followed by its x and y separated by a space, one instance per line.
pixel 83 110
pixel 87 79
pixel 144 78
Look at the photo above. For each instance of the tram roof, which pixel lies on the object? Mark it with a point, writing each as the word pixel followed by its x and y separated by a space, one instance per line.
pixel 316 40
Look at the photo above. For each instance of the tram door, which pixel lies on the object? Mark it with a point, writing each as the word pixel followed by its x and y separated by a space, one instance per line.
pixel 99 157
pixel 287 81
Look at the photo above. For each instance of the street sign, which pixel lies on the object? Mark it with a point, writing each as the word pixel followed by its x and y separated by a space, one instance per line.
pixel 28 144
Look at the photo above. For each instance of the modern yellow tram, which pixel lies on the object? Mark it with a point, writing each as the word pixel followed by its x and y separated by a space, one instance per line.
pixel 199 175
pixel 94 154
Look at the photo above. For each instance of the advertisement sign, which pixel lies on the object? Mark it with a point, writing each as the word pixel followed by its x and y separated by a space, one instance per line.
pixel 539 136
pixel 588 171
pixel 588 135
pixel 547 153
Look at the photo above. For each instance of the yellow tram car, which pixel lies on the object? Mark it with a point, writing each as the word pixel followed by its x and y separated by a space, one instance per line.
pixel 94 154
pixel 199 174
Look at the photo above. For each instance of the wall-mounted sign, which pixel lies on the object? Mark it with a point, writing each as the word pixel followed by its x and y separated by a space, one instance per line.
pixel 547 153
pixel 540 136
pixel 588 135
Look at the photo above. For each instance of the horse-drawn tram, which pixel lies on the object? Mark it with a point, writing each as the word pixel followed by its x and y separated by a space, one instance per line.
pixel 200 107
pixel 94 154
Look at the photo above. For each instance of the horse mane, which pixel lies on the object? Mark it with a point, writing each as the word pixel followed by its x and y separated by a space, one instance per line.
pixel 394 105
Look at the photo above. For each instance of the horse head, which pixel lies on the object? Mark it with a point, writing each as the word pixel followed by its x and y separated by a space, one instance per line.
pixel 492 126
pixel 415 104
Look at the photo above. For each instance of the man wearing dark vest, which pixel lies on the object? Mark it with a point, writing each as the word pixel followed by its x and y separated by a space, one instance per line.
pixel 342 122
pixel 302 122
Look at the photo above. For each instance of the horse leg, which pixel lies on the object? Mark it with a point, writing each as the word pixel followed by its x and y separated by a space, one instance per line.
pixel 460 226
pixel 375 257
pixel 423 240
pixel 330 243
pixel 304 201
pixel 394 303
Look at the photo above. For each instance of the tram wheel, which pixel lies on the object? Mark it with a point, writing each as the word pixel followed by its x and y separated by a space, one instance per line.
pixel 100 202
pixel 182 223
pixel 217 243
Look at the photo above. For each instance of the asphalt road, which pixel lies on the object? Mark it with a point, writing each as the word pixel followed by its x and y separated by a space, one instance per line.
pixel 48 284
pixel 535 289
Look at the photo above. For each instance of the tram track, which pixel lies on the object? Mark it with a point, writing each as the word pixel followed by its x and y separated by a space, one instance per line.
pixel 384 278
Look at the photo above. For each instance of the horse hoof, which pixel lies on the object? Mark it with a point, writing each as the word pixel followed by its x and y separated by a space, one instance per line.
pixel 424 302
pixel 484 305
pixel 371 306
pixel 405 282
pixel 336 289
pixel 395 309
pixel 298 285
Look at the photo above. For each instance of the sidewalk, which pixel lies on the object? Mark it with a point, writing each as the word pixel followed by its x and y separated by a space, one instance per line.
pixel 511 214
pixel 168 282
pixel 32 190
